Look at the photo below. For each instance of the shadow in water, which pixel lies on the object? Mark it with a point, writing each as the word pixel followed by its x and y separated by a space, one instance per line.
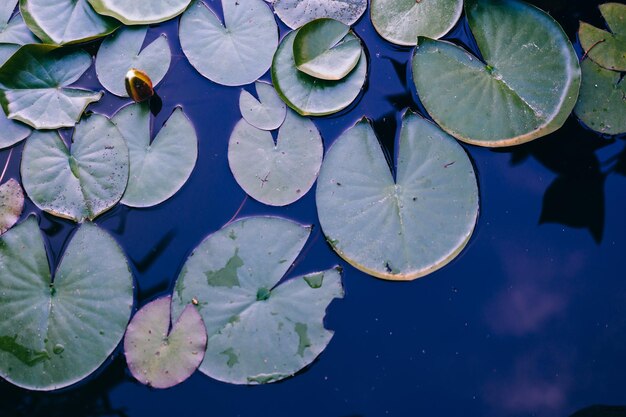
pixel 601 411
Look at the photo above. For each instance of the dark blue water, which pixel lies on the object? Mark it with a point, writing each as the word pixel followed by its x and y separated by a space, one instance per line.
pixel 530 320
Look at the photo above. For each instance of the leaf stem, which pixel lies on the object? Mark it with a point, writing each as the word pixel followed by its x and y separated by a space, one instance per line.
pixel 6 165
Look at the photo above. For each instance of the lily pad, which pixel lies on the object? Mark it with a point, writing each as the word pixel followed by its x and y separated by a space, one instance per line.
pixel 11 132
pixel 121 52
pixel 607 49
pixel 13 30
pixel 398 229
pixel 525 89
pixel 78 183
pixel 237 52
pixel 160 357
pixel 140 12
pixel 11 204
pixel 278 173
pixel 602 101
pixel 62 22
pixel 296 13
pixel 35 82
pixel 56 331
pixel 402 21
pixel 268 112
pixel 326 49
pixel 311 96
pixel 158 169
pixel 259 331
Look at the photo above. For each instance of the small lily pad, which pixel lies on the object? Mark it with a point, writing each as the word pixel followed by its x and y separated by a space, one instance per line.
pixel 237 52
pixel 259 331
pixel 607 49
pixel 121 52
pixel 268 112
pixel 398 229
pixel 13 30
pixel 11 204
pixel 296 13
pixel 140 12
pixel 78 183
pixel 11 131
pixel 160 357
pixel 278 173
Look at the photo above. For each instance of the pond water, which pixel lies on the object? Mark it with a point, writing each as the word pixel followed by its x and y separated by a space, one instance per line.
pixel 530 320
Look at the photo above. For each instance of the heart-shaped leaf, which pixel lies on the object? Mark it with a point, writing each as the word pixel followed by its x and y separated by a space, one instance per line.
pixel 140 12
pixel 607 49
pixel 296 13
pixel 11 204
pixel 398 229
pixel 11 132
pixel 268 112
pixel 259 331
pixel 78 183
pixel 55 332
pixel 235 53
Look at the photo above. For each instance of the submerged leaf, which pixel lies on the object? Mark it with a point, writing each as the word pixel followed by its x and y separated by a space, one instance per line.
pixel 11 204
pixel 296 13
pixel 607 49
pixel 268 112
pixel 140 12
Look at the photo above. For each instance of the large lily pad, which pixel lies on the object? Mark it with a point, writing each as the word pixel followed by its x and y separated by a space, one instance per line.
pixel 56 331
pixel 158 169
pixel 402 21
pixel 140 12
pixel 11 204
pixel 311 96
pixel 296 13
pixel 122 52
pixel 268 112
pixel 398 229
pixel 259 331
pixel 607 49
pixel 276 173
pixel 78 183
pixel 35 82
pixel 11 132
pixel 237 52
pixel 526 88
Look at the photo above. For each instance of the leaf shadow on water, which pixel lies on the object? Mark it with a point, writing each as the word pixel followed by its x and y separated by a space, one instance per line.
pixel 601 411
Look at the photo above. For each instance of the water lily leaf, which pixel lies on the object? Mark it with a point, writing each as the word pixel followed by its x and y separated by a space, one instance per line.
pixel 526 88
pixel 326 49
pixel 295 13
pixel 78 183
pixel 35 81
pixel 160 357
pixel 607 49
pixel 11 132
pixel 402 21
pixel 6 51
pixel 235 53
pixel 13 30
pixel 158 169
pixel 55 332
pixel 311 96
pixel 259 331
pixel 63 22
pixel 278 173
pixel 121 52
pixel 11 204
pixel 140 12
pixel 268 112
pixel 398 229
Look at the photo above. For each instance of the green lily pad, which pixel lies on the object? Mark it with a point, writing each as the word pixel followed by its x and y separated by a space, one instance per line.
pixel 140 12
pixel 526 88
pixel 402 21
pixel 13 30
pixel 35 82
pixel 311 96
pixel 326 49
pixel 607 49
pixel 6 51
pixel 237 52
pixel 268 112
pixel 11 132
pixel 398 229
pixel 278 173
pixel 602 101
pixel 62 22
pixel 158 169
pixel 259 331
pixel 296 13
pixel 160 357
pixel 121 52
pixel 78 183
pixel 55 332
pixel 11 204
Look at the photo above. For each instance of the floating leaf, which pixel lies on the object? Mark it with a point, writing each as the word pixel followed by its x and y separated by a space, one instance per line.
pixel 276 173
pixel 54 333
pixel 267 113
pixel 259 331
pixel 398 229
pixel 236 53
pixel 158 169
pixel 140 12
pixel 11 132
pixel 13 30
pixel 526 89
pixel 160 357
pixel 78 183
pixel 35 81
pixel 296 13
pixel 11 204
pixel 121 53
pixel 402 21
pixel 605 48
pixel 310 96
